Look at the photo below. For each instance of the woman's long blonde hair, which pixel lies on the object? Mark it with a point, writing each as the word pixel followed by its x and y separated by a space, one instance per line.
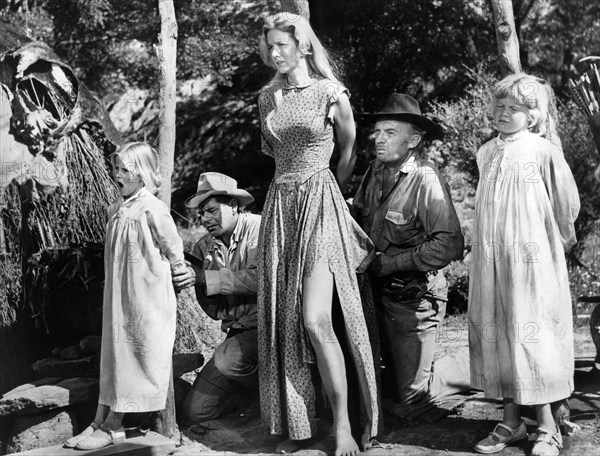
pixel 141 159
pixel 317 57
pixel 537 95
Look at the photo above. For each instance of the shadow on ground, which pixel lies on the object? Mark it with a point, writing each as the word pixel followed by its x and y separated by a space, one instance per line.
pixel 243 433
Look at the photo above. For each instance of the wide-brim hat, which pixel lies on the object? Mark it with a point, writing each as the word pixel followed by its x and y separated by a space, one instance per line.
pixel 405 108
pixel 217 184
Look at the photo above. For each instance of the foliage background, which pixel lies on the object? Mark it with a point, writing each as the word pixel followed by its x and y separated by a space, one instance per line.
pixel 441 52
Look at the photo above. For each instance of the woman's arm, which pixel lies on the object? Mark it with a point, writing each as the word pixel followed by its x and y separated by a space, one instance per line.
pixel 345 132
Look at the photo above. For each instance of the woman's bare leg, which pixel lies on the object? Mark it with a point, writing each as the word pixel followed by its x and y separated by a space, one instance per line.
pixel 317 299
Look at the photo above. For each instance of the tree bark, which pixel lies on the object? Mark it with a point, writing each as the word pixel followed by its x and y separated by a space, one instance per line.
pixel 297 7
pixel 167 57
pixel 164 422
pixel 506 35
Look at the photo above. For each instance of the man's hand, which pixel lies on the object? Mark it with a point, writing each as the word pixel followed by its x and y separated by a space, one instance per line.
pixel 383 265
pixel 187 277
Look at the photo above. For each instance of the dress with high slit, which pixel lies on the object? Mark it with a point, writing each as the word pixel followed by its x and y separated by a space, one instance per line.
pixel 305 221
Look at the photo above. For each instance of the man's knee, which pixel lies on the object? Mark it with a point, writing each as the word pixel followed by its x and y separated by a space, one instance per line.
pixel 197 406
pixel 234 360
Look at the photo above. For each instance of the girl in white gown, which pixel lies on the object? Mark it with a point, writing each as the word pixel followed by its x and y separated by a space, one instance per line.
pixel 520 321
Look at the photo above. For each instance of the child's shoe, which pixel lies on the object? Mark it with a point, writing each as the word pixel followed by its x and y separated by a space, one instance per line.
pixel 496 442
pixel 73 441
pixel 547 443
pixel 101 438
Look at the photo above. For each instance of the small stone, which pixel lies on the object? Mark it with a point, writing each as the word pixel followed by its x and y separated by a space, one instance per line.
pixel 70 353
pixel 55 352
pixel 90 345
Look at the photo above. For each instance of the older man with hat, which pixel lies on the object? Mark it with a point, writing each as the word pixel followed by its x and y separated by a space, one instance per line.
pixel 404 205
pixel 224 275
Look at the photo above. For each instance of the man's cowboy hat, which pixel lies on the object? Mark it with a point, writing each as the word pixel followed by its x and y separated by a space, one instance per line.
pixel 215 184
pixel 405 108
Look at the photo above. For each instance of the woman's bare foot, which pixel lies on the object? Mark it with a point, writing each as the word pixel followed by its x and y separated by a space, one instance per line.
pixel 291 446
pixel 345 443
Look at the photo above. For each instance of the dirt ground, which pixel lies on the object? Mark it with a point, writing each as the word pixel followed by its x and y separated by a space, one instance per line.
pixel 456 434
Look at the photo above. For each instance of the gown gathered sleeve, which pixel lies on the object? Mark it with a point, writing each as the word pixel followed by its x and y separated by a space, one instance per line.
pixel 563 194
pixel 165 235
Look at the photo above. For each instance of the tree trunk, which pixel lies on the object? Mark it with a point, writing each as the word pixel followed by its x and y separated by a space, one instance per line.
pixel 297 7
pixel 167 56
pixel 506 35
pixel 164 420
pixel 166 50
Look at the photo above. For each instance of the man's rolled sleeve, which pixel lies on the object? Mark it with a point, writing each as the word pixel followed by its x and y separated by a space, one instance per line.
pixel 213 282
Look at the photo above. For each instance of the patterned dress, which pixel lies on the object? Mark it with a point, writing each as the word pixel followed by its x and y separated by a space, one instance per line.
pixel 520 317
pixel 305 219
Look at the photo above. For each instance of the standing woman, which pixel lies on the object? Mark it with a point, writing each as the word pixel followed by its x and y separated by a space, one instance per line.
pixel 308 242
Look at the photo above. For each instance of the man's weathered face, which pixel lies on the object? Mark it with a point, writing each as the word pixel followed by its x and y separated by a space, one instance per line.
pixel 394 141
pixel 218 215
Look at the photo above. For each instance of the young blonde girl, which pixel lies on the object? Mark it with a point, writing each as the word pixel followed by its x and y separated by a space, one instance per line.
pixel 141 250
pixel 520 322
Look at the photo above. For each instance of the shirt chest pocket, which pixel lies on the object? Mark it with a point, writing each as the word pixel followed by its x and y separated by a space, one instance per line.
pixel 399 219
pixel 399 226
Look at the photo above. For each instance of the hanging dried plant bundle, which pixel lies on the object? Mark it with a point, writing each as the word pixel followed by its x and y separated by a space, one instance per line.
pixel 66 228
pixel 10 255
pixel 76 215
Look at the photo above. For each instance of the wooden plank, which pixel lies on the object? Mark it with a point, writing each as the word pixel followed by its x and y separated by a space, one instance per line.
pixel 151 444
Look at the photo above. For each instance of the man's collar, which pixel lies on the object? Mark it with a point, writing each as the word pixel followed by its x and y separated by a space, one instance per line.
pixel 236 236
pixel 409 166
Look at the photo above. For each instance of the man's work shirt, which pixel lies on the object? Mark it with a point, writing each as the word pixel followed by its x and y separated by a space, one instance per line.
pixel 415 222
pixel 231 275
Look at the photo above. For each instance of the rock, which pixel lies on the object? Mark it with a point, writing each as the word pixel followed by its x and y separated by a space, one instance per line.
pixel 69 353
pixel 46 397
pixel 33 384
pixel 83 367
pixel 55 352
pixel 186 362
pixel 90 345
pixel 41 430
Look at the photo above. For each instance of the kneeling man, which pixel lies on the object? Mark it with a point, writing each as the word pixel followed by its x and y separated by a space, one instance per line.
pixel 225 282
pixel 404 205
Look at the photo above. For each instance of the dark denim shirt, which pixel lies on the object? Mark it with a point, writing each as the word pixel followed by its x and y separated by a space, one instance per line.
pixel 415 222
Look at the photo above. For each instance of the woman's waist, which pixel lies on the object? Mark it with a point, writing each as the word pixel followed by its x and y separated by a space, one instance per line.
pixel 299 175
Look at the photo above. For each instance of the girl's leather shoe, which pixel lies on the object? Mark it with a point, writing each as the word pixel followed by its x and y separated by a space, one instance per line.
pixel 101 438
pixel 73 441
pixel 496 442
